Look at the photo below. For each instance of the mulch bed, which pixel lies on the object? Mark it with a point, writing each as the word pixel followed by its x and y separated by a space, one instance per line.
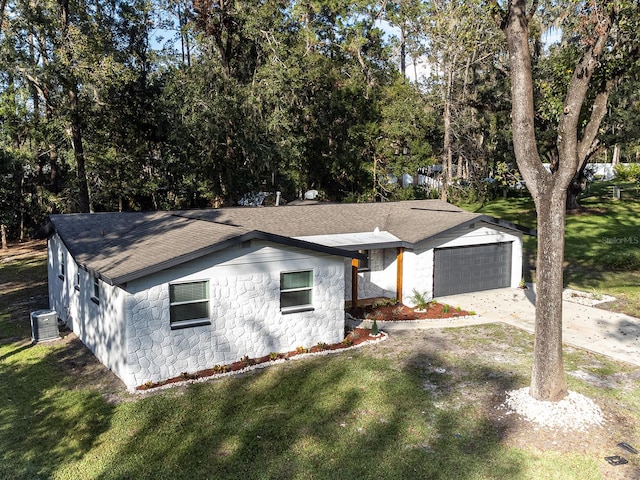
pixel 400 312
pixel 355 337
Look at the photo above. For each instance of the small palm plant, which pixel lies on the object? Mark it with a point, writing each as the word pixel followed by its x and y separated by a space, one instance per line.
pixel 420 300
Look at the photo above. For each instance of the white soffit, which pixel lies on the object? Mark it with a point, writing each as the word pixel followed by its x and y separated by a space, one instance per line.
pixel 362 240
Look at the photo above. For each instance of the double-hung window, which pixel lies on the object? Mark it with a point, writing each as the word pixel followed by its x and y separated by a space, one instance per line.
pixel 95 298
pixel 296 291
pixel 63 262
pixel 189 304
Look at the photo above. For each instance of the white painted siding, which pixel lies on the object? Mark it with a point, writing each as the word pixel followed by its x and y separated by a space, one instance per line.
pixel 99 325
pixel 245 311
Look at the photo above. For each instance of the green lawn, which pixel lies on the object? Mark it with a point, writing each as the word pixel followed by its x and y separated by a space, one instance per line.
pixel 602 245
pixel 352 415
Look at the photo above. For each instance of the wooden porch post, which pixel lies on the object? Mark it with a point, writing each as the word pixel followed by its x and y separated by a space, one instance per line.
pixel 354 283
pixel 399 277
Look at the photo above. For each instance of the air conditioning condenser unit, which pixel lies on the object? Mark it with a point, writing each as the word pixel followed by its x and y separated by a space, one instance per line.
pixel 44 325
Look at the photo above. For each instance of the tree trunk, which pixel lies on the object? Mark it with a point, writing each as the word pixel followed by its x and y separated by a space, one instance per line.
pixel 576 187
pixel 78 152
pixel 447 161
pixel 3 6
pixel 547 376
pixel 549 190
pixel 572 196
pixel 3 236
pixel 54 176
pixel 403 52
pixel 615 158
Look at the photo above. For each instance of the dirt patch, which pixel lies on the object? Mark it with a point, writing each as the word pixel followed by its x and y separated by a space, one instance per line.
pixel 17 251
pixel 81 369
pixel 474 367
pixel 23 285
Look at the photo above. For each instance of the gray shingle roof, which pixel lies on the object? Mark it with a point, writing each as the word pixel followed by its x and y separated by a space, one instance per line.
pixel 123 246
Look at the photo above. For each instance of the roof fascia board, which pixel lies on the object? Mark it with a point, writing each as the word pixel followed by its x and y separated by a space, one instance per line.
pixel 376 246
pixel 510 225
pixel 234 241
pixel 471 222
pixel 294 242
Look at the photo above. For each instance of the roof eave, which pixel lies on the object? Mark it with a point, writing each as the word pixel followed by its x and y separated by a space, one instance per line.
pixel 480 218
pixel 231 242
pixel 376 246
pixel 513 226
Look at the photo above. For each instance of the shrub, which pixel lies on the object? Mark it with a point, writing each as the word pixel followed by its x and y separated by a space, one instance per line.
pixel 247 361
pixel 273 356
pixel 374 328
pixel 617 260
pixel 627 173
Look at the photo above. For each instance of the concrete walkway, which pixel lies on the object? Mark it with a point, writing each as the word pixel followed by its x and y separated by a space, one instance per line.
pixel 613 334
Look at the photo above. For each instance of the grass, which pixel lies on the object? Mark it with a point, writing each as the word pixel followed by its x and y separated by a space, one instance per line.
pixel 420 412
pixel 602 243
pixel 349 415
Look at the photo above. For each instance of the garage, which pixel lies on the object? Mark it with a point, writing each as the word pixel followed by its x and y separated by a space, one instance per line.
pixel 471 268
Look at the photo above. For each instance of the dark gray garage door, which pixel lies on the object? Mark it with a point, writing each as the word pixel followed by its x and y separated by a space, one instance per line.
pixel 469 269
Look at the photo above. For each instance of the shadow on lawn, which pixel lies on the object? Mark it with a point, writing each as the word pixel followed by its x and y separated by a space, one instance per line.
pixel 340 416
pixel 45 422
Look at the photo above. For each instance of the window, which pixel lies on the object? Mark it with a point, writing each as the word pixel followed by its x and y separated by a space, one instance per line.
pixel 363 265
pixel 62 266
pixel 76 284
pixel 189 304
pixel 296 289
pixel 96 289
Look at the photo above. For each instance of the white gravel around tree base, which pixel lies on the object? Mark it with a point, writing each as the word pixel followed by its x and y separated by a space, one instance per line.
pixel 591 299
pixel 574 412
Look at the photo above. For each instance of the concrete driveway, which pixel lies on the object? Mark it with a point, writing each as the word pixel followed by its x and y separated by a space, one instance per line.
pixel 613 334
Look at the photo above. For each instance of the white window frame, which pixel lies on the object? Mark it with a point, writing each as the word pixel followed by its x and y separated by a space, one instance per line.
pixel 309 288
pixel 95 284
pixel 193 322
pixel 62 260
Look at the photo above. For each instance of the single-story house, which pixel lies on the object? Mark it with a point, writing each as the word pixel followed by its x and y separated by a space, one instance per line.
pixel 157 294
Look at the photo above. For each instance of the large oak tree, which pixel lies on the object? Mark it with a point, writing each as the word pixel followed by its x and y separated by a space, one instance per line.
pixel 597 20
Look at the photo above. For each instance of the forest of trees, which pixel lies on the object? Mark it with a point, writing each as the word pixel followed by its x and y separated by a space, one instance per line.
pixel 169 104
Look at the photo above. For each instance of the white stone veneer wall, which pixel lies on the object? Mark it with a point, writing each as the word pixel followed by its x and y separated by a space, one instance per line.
pixel 245 320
